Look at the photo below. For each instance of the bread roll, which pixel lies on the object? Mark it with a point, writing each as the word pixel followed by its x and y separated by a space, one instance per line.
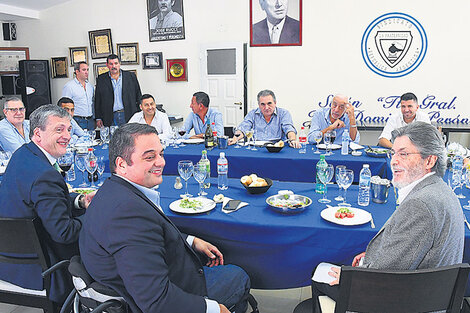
pixel 246 180
pixel 260 182
pixel 253 177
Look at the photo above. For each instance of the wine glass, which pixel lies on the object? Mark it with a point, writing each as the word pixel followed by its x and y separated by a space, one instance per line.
pixel 346 177
pixel 317 136
pixel 237 143
pixel 65 162
pixel 104 135
pixel 456 181
pixel 254 140
pixel 339 168
pixel 333 136
pixel 174 137
pixel 200 174
pixel 92 135
pixel 80 163
pixel 327 140
pixel 91 165
pixel 325 175
pixel 185 169
pixel 100 169
pixel 181 132
pixel 249 136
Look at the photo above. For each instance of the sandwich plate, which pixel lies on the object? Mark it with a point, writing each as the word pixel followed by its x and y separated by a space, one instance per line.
pixel 360 216
pixel 206 205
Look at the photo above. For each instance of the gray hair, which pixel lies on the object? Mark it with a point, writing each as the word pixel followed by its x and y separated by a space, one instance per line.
pixel 122 142
pixel 11 99
pixel 265 93
pixel 428 141
pixel 39 117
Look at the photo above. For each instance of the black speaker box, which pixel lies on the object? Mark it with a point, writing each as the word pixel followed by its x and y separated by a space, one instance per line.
pixel 35 84
pixel 9 31
pixel 10 85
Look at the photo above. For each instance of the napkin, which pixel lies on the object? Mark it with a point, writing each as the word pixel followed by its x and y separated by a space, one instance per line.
pixel 227 199
pixel 355 146
pixel 321 273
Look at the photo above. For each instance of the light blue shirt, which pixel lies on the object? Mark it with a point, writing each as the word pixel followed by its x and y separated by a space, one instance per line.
pixel 117 87
pixel 76 132
pixel 321 120
pixel 277 128
pixel 82 97
pixel 194 121
pixel 10 137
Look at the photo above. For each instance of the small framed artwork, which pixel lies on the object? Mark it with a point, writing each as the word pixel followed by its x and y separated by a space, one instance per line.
pixel 59 67
pixel 78 54
pixel 128 53
pixel 176 70
pixel 152 60
pixel 99 68
pixel 10 58
pixel 101 44
pixel 165 20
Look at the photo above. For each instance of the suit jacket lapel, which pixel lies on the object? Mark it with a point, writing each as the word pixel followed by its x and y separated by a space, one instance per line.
pixel 36 151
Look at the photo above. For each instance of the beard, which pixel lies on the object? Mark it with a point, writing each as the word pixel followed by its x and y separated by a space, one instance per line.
pixel 410 174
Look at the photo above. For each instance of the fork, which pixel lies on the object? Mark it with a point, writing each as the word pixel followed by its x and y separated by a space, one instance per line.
pixel 372 225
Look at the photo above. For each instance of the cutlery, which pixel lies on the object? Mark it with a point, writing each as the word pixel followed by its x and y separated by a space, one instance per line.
pixel 372 225
pixel 466 222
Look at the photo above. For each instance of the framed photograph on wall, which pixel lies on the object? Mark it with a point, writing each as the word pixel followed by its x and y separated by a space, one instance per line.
pixel 59 67
pixel 165 20
pixel 78 54
pixel 152 60
pixel 99 68
pixel 10 58
pixel 101 44
pixel 176 70
pixel 275 26
pixel 128 53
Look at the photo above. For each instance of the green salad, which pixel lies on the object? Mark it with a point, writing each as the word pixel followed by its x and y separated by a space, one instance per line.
pixel 188 203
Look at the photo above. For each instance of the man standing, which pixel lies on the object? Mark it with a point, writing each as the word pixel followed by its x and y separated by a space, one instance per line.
pixel 426 229
pixel 201 114
pixel 277 27
pixel 149 261
pixel 32 187
pixel 68 105
pixel 166 16
pixel 80 90
pixel 14 129
pixel 339 117
pixel 153 117
pixel 409 113
pixel 117 94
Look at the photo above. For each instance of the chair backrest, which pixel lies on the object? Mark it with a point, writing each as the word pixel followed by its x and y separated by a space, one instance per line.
pixel 371 290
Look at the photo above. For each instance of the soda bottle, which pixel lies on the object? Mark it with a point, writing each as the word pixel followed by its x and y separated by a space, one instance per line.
pixel 303 140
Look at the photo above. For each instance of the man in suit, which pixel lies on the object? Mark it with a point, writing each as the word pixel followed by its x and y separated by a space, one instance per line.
pixel 117 95
pixel 32 187
pixel 277 27
pixel 128 243
pixel 426 230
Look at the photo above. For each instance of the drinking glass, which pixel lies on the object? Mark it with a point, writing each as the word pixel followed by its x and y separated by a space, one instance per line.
pixel 174 137
pixel 456 181
pixel 254 140
pixel 185 169
pixel 65 162
pixel 200 174
pixel 91 165
pixel 104 134
pixel 333 136
pixel 92 135
pixel 80 163
pixel 346 177
pixel 327 141
pixel 100 169
pixel 249 136
pixel 317 136
pixel 181 132
pixel 339 168
pixel 237 143
pixel 325 175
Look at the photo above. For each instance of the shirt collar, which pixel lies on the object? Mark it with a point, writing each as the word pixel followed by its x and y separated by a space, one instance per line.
pixel 403 192
pixel 120 74
pixel 279 25
pixel 151 194
pixel 49 157
pixel 78 82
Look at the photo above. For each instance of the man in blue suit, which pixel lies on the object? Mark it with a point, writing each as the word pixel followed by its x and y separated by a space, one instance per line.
pixel 32 187
pixel 128 244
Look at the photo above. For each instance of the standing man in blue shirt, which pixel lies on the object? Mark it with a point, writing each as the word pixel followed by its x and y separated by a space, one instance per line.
pixel 14 129
pixel 201 114
pixel 80 90
pixel 117 95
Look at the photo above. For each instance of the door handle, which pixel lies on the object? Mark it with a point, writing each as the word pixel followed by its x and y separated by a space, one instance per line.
pixel 237 103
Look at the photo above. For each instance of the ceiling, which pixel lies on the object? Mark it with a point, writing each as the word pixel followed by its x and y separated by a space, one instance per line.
pixel 12 10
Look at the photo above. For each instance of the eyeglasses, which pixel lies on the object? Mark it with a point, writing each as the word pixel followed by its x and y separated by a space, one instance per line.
pixel 401 154
pixel 15 110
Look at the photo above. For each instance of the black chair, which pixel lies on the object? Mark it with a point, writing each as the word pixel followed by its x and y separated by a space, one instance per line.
pixel 371 290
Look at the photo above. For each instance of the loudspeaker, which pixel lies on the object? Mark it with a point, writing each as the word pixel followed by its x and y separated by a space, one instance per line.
pixel 9 31
pixel 10 85
pixel 35 84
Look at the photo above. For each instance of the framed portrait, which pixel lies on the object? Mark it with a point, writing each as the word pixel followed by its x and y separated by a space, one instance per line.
pixel 78 54
pixel 128 53
pixel 276 26
pixel 99 68
pixel 101 44
pixel 10 58
pixel 165 20
pixel 59 67
pixel 152 60
pixel 176 70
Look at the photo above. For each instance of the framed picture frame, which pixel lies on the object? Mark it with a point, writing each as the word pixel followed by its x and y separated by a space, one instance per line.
pixel 99 68
pixel 101 43
pixel 78 54
pixel 176 70
pixel 59 67
pixel 165 23
pixel 128 53
pixel 287 33
pixel 10 58
pixel 152 60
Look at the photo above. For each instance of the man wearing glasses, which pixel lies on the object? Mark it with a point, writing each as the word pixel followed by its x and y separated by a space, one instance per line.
pixel 14 129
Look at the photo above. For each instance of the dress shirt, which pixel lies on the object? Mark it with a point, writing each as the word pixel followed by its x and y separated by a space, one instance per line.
pixel 321 120
pixel 277 34
pixel 160 121
pixel 82 97
pixel 172 19
pixel 405 191
pixel 117 87
pixel 10 137
pixel 194 121
pixel 77 131
pixel 277 128
pixel 396 121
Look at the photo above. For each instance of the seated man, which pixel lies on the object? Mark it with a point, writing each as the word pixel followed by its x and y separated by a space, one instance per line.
pixel 32 187
pixel 268 122
pixel 68 105
pixel 151 116
pixel 128 243
pixel 14 129
pixel 426 229
pixel 339 117
pixel 409 113
pixel 201 115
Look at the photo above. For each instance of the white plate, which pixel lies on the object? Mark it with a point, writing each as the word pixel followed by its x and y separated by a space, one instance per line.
pixel 207 205
pixel 259 143
pixel 87 143
pixel 360 216
pixel 193 140
pixel 333 146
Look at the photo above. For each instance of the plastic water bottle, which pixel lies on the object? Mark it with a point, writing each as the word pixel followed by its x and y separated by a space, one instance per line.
pixel 303 140
pixel 205 160
pixel 345 143
pixel 70 174
pixel 364 186
pixel 457 168
pixel 222 171
pixel 319 187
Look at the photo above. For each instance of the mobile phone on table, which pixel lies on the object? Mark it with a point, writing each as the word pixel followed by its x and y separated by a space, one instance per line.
pixel 231 205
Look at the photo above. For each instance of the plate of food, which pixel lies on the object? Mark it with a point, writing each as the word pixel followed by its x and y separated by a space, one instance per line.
pixel 288 203
pixel 193 140
pixel 377 152
pixel 333 146
pixel 83 191
pixel 347 216
pixel 192 205
pixel 275 147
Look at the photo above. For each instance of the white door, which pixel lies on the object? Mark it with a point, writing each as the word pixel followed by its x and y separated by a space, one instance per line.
pixel 222 78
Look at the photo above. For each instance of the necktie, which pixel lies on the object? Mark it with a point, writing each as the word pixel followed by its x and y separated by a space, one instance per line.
pixel 57 167
pixel 274 35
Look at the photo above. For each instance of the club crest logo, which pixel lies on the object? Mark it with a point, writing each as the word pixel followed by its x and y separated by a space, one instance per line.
pixel 394 45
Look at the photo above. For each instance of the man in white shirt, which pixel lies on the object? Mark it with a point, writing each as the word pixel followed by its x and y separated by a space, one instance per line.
pixel 68 105
pixel 14 129
pixel 409 113
pixel 153 117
